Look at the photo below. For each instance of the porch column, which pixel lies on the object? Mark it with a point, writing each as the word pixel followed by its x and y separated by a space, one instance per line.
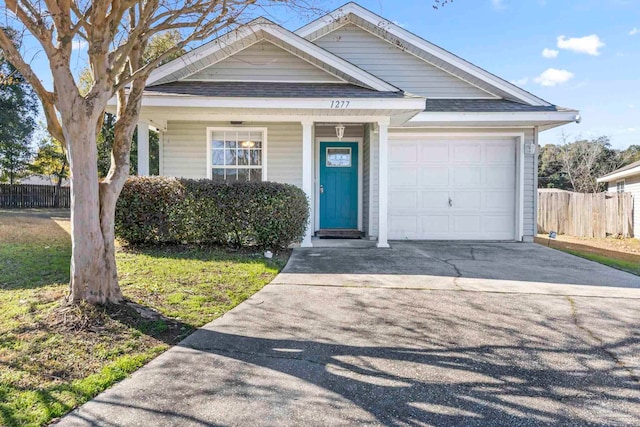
pixel 383 182
pixel 143 148
pixel 307 178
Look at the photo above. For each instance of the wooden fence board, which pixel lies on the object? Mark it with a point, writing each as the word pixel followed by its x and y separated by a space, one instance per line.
pixel 585 215
pixel 34 196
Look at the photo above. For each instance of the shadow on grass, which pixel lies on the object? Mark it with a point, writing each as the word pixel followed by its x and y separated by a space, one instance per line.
pixel 92 327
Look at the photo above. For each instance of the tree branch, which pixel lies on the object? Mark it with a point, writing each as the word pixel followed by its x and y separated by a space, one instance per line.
pixel 47 98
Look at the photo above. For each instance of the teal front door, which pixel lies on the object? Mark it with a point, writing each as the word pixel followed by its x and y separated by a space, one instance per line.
pixel 339 185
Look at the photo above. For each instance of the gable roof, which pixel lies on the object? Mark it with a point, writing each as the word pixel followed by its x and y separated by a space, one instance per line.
pixel 435 55
pixel 623 172
pixel 264 29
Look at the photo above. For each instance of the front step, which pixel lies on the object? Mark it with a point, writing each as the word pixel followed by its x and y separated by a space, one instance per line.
pixel 339 234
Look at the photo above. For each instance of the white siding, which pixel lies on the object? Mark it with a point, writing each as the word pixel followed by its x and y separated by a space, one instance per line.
pixel 264 61
pixel 394 65
pixel 185 154
pixel 632 185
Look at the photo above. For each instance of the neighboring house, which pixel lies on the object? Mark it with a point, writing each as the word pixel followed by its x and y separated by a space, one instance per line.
pixel 627 180
pixel 431 147
pixel 42 180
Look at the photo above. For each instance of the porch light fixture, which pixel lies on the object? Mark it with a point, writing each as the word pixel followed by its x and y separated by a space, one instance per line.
pixel 340 131
pixel 248 144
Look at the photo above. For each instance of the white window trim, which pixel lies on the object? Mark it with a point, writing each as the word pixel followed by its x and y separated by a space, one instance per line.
pixel 618 182
pixel 337 166
pixel 210 131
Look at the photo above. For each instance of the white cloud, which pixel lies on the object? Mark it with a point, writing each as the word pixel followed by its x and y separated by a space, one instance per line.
pixel 521 82
pixel 589 44
pixel 498 4
pixel 553 77
pixel 78 44
pixel 634 31
pixel 550 53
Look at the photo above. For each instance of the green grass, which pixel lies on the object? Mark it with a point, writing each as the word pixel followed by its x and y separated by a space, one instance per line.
pixel 624 265
pixel 53 358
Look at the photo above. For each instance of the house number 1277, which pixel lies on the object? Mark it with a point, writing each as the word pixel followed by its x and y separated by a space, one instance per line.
pixel 339 104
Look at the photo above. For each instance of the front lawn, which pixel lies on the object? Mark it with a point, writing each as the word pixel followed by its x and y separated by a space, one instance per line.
pixel 53 358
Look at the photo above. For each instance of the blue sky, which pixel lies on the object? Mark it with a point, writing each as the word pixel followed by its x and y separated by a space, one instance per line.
pixel 508 37
pixel 592 62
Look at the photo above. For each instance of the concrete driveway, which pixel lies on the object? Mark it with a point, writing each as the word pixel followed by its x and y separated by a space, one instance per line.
pixel 382 353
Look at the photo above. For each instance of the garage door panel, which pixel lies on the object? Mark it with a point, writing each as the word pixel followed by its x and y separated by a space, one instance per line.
pixel 434 224
pixel 497 223
pixel 435 176
pixel 499 177
pixel 501 152
pixel 467 152
pixel 466 200
pixel 403 177
pixel 404 199
pixel 404 152
pixel 467 224
pixel 437 200
pixel 435 153
pixel 479 175
pixel 498 200
pixel 466 177
pixel 404 226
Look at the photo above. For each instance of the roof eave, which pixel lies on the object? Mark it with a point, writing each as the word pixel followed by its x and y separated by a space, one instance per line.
pixel 620 175
pixel 559 117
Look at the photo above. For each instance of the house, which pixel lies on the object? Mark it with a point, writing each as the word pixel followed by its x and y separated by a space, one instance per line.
pixel 627 180
pixel 389 135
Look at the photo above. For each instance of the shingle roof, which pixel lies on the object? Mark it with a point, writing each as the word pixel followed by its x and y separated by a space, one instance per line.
pixel 269 90
pixel 484 106
pixel 623 169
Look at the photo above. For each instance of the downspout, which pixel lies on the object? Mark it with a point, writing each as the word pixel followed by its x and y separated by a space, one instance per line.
pixel 535 180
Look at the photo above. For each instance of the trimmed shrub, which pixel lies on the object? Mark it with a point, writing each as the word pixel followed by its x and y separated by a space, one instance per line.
pixel 156 210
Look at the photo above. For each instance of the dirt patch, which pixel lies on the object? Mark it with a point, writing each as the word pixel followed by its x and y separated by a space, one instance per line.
pixel 621 249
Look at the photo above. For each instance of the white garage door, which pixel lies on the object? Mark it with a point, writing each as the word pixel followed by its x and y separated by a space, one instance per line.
pixel 445 189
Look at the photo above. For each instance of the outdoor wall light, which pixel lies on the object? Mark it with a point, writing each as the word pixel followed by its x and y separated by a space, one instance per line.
pixel 340 131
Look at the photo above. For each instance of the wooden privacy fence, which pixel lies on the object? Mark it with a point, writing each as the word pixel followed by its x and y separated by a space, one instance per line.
pixel 34 196
pixel 585 215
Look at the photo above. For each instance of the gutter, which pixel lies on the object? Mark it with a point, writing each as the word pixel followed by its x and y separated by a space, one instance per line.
pixel 619 175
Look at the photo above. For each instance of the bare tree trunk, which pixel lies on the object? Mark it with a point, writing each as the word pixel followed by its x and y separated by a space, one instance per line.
pixel 94 276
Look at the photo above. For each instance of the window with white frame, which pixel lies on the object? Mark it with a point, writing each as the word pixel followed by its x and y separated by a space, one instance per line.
pixel 620 186
pixel 237 154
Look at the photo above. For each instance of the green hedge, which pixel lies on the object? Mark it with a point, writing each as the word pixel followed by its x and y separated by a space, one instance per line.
pixel 157 210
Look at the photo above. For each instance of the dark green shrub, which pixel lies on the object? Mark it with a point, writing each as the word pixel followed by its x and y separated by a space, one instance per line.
pixel 266 215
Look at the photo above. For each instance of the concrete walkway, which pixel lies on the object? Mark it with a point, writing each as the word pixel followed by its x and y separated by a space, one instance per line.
pixel 391 355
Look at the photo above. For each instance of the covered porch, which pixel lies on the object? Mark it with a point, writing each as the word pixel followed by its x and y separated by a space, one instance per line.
pixel 312 144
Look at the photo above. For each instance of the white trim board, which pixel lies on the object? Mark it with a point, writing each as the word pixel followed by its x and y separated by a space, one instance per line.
pixel 407 104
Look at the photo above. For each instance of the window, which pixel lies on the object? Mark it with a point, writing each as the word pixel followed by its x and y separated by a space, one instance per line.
pixel 620 186
pixel 338 157
pixel 237 154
